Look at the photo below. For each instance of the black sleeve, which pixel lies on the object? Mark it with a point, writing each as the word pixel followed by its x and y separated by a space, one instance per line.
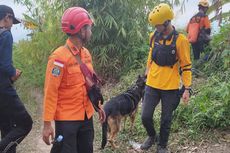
pixel 6 46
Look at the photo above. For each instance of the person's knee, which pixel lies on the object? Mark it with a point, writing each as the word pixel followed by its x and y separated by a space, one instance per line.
pixel 22 117
pixel 27 123
pixel 166 121
pixel 146 119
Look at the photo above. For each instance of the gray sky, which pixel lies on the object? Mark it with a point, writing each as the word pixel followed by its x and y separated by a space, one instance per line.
pixel 180 21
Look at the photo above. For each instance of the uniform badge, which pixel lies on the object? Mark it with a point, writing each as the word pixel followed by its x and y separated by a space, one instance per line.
pixel 56 71
pixel 173 51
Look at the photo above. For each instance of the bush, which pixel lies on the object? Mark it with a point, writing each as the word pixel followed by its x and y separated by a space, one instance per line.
pixel 209 108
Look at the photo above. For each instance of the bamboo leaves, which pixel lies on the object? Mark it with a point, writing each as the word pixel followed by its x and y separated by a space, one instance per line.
pixel 119 26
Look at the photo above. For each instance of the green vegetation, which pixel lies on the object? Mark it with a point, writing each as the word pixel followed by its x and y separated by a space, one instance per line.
pixel 209 106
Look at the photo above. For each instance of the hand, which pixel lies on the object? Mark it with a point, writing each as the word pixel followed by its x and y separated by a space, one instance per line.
pixel 102 115
pixel 17 75
pixel 185 96
pixel 47 132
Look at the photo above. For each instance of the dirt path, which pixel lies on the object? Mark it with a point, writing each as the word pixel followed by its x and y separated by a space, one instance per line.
pixel 34 144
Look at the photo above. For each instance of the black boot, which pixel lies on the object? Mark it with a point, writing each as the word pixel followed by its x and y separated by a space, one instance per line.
pixel 162 149
pixel 148 143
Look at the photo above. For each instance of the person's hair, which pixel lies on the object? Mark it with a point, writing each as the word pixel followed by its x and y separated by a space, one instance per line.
pixel 200 7
pixel 2 15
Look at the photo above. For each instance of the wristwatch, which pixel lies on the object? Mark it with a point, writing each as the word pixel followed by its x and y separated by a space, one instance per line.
pixel 188 88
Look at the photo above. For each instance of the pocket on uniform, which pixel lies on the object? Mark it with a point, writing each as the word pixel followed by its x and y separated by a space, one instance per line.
pixel 74 75
pixel 170 59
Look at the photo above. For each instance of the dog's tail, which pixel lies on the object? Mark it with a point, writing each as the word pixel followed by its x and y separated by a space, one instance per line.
pixel 104 134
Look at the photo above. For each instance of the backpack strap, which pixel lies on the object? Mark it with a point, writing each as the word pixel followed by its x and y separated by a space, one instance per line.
pixel 197 17
pixel 175 36
pixel 153 37
pixel 156 36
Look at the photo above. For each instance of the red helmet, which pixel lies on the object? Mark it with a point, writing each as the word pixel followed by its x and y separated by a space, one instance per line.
pixel 74 19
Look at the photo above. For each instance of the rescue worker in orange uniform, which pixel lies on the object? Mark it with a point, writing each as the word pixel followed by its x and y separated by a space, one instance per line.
pixel 65 95
pixel 169 51
pixel 200 37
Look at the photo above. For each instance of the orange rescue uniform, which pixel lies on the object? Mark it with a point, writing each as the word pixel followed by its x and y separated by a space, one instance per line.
pixel 65 95
pixel 168 78
pixel 204 22
pixel 195 24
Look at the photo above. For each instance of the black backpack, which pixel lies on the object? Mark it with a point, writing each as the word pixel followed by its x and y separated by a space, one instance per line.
pixel 162 54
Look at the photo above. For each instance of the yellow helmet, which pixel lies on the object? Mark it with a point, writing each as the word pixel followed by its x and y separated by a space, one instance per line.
pixel 204 3
pixel 161 13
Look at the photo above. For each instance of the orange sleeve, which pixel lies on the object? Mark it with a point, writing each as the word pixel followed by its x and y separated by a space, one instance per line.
pixel 54 74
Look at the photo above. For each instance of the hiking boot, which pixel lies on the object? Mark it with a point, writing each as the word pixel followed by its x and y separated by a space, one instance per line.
pixel 162 150
pixel 148 143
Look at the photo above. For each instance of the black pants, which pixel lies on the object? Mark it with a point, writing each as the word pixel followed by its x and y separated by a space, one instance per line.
pixel 197 48
pixel 5 129
pixel 77 136
pixel 169 101
pixel 15 122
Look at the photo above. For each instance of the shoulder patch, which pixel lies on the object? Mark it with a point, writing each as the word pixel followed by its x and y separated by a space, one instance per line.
pixel 56 71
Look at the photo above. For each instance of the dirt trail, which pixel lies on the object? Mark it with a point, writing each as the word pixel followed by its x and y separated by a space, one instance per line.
pixel 34 144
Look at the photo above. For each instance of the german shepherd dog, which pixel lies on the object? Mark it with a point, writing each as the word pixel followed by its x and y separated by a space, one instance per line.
pixel 121 106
